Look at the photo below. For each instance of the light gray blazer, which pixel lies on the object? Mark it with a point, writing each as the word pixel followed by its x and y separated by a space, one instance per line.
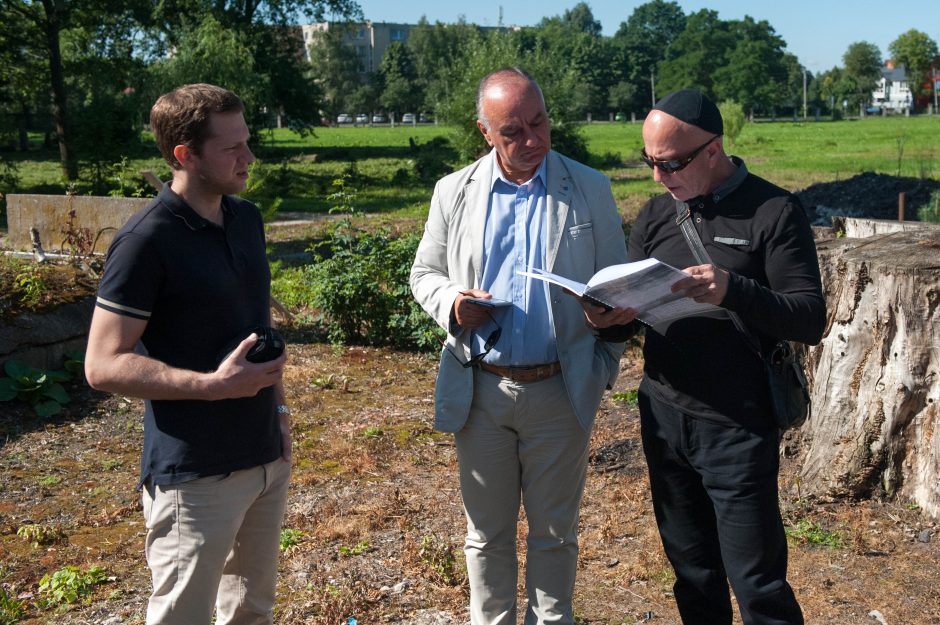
pixel 584 236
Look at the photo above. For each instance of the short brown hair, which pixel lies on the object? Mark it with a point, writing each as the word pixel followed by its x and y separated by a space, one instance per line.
pixel 181 117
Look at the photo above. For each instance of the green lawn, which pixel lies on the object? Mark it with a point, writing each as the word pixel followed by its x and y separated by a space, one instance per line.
pixel 382 161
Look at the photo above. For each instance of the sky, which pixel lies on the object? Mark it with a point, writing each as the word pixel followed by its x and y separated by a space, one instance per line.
pixel 818 32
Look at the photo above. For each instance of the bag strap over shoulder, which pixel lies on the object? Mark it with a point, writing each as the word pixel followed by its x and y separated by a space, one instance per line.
pixel 683 213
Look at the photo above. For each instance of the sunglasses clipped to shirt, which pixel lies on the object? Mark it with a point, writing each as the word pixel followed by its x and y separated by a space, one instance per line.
pixel 672 166
pixel 488 346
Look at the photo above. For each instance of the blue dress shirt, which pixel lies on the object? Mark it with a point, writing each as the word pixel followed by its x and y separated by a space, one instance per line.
pixel 513 240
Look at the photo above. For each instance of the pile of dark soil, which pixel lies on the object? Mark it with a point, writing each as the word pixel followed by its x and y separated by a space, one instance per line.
pixel 866 195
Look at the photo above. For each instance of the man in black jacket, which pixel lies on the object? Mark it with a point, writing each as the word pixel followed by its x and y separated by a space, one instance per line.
pixel 710 439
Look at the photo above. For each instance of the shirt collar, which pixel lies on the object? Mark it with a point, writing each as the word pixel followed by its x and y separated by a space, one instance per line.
pixel 180 208
pixel 731 183
pixel 499 176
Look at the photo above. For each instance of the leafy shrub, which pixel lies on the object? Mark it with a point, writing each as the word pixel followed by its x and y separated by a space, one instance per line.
pixel 732 114
pixel 930 212
pixel 359 284
pixel 37 387
pixel 432 159
pixel 69 584
pixel 39 535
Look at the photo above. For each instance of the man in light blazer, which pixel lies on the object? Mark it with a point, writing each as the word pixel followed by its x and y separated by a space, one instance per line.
pixel 525 364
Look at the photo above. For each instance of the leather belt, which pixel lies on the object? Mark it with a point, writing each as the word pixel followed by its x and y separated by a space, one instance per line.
pixel 529 373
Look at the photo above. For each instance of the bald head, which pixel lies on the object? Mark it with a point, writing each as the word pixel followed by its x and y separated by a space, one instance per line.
pixel 667 138
pixel 502 83
pixel 512 118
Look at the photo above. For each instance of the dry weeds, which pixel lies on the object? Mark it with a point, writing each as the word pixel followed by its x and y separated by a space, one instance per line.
pixel 379 524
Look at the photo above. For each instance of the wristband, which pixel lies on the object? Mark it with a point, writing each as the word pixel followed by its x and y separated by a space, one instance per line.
pixel 283 409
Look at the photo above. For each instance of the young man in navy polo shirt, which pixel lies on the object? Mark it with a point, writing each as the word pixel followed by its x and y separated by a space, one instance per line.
pixel 183 278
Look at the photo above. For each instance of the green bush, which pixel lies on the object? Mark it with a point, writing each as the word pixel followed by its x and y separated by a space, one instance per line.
pixel 732 116
pixel 358 283
pixel 930 212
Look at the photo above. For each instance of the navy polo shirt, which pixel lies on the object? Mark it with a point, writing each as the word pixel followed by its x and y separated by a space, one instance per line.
pixel 198 286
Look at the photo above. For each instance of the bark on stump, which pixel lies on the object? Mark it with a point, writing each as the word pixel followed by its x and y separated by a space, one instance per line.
pixel 874 428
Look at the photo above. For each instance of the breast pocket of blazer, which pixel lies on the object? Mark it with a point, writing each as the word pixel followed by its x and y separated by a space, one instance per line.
pixel 579 232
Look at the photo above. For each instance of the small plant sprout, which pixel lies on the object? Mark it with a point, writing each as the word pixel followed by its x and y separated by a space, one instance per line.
pixel 70 584
pixel 631 398
pixel 358 550
pixel 290 538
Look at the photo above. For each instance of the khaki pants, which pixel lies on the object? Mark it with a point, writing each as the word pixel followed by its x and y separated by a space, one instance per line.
pixel 521 443
pixel 215 540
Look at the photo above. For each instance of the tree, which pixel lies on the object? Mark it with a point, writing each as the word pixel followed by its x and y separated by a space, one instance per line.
pixel 622 96
pixel 398 80
pixel 732 117
pixel 862 61
pixel 47 19
pixel 265 28
pixel 211 53
pixel 47 27
pixel 485 53
pixel 696 54
pixel 754 73
pixel 22 75
pixel 646 39
pixel 580 19
pixel 918 53
pixel 437 49
pixel 336 70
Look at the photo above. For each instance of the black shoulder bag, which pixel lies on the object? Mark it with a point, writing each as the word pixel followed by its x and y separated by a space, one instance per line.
pixel 786 381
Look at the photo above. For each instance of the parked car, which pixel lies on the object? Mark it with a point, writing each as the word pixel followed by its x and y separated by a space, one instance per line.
pixel 408 118
pixel 378 118
pixel 344 118
pixel 424 118
pixel 620 117
pixel 362 118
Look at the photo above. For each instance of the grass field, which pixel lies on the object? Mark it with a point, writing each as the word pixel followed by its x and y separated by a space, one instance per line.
pixel 300 170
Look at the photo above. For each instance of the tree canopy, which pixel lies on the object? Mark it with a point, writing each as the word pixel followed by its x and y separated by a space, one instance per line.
pixel 84 72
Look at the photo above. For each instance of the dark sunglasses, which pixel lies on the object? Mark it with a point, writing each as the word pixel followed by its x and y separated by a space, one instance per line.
pixel 488 346
pixel 673 165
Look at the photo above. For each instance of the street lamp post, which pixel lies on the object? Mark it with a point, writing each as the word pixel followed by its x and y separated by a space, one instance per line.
pixel 804 94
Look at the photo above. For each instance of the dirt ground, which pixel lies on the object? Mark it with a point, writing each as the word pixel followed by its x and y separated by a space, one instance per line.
pixel 376 516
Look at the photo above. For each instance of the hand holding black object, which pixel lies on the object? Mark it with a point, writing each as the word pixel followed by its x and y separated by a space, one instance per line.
pixel 269 346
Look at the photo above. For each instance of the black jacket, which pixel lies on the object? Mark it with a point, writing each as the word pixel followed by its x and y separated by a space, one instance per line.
pixel 760 234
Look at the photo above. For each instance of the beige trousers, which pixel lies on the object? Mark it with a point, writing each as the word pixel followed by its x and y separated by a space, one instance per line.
pixel 522 442
pixel 215 540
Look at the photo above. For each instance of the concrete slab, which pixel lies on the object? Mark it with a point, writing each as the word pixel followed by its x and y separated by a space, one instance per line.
pixel 49 214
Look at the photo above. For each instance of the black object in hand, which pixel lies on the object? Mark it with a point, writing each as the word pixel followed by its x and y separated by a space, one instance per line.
pixel 269 346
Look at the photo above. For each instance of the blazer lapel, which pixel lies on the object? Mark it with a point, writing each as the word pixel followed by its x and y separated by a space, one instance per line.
pixel 557 199
pixel 477 201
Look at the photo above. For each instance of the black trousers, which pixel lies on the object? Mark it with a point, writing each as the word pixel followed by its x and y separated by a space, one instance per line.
pixel 715 497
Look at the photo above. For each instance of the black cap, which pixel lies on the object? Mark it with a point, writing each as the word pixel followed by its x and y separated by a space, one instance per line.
pixel 692 107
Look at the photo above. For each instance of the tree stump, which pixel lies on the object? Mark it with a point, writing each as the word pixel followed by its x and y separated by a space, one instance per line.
pixel 874 428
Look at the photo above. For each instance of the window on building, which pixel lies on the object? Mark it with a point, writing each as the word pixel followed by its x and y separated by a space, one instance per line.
pixel 361 33
pixel 398 34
